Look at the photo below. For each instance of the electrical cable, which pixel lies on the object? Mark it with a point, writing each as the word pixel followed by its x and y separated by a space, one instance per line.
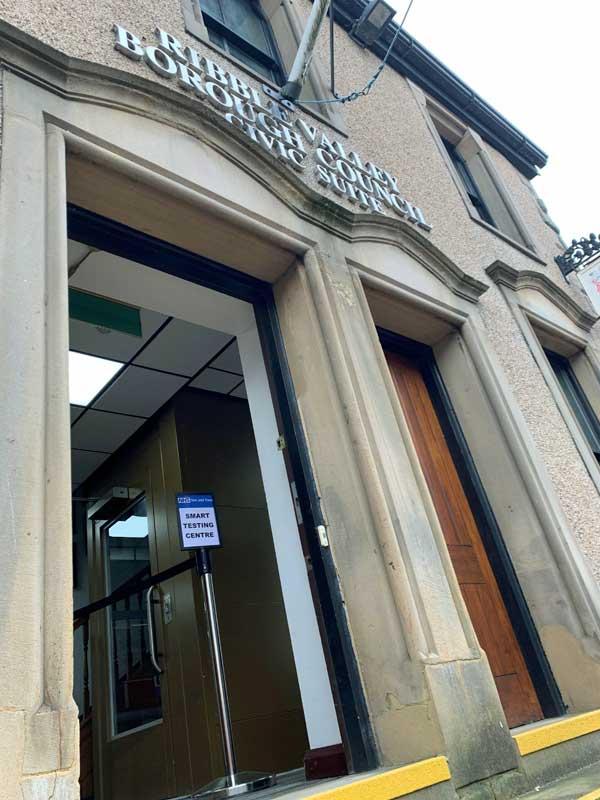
pixel 348 98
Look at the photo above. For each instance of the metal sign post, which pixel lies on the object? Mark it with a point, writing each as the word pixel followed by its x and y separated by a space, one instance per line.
pixel 199 531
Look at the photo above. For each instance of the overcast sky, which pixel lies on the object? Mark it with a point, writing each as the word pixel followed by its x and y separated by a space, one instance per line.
pixel 537 63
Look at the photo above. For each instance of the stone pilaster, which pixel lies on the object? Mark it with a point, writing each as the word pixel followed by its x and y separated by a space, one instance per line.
pixel 425 678
pixel 38 719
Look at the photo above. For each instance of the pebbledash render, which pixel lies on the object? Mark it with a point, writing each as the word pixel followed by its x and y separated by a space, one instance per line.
pixel 401 225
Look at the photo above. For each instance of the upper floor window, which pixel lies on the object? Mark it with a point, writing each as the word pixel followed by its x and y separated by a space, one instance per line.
pixel 477 176
pixel 574 394
pixel 469 184
pixel 240 28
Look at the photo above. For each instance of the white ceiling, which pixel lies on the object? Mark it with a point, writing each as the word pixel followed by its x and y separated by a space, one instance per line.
pixel 181 346
pixel 170 354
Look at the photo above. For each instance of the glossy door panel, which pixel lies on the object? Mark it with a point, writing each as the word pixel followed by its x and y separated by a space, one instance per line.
pixel 471 563
pixel 129 698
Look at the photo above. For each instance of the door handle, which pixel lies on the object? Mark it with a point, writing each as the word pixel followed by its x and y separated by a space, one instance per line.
pixel 151 637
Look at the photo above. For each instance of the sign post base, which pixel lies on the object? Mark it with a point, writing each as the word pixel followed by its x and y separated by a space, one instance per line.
pixel 199 532
pixel 237 784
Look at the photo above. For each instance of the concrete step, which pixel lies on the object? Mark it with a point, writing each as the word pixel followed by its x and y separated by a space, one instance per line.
pixel 584 783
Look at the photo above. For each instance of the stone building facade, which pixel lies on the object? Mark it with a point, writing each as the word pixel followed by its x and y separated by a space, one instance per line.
pixel 400 226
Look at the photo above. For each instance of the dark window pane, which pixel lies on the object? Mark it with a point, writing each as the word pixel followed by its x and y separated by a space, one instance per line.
pixel 467 180
pixel 238 27
pixel 247 59
pixel 136 696
pixel 243 18
pixel 213 7
pixel 577 400
pixel 215 37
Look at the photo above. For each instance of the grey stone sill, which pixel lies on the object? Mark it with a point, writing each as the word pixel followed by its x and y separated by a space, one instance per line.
pixel 261 78
pixel 528 251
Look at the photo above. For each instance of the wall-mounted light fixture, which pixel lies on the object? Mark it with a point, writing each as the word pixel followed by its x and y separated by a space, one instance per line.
pixel 372 22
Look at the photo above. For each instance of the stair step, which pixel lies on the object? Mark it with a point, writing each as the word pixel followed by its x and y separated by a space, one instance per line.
pixel 584 783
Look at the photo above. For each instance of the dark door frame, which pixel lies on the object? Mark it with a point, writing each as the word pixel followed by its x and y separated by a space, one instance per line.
pixel 113 237
pixel 516 605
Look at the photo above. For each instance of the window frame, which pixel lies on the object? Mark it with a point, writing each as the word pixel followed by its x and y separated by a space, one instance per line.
pixel 550 319
pixel 272 61
pixel 289 30
pixel 577 400
pixel 469 184
pixel 108 619
pixel 446 127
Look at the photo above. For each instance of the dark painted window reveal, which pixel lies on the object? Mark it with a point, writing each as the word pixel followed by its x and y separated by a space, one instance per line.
pixel 469 184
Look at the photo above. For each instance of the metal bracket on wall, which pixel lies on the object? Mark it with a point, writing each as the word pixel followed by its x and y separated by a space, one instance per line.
pixel 322 533
pixel 278 97
pixel 578 254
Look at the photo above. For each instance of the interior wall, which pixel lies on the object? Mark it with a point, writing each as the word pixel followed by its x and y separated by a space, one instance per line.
pixel 143 464
pixel 204 442
pixel 218 454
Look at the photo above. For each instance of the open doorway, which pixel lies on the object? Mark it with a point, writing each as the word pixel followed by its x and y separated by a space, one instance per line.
pixel 170 393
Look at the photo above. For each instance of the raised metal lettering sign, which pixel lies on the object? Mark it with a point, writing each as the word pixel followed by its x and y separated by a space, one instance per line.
pixel 272 125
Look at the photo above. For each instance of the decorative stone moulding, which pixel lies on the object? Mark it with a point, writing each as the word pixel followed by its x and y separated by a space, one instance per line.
pixel 516 280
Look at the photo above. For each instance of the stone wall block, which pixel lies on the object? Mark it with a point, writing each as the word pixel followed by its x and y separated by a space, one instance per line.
pixel 393 684
pixel 42 742
pixel 475 730
pixel 1 113
pixel 69 738
pixel 57 786
pixel 563 598
pixel 11 753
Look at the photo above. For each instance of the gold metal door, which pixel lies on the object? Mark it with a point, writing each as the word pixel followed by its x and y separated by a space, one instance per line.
pixel 181 751
pixel 132 741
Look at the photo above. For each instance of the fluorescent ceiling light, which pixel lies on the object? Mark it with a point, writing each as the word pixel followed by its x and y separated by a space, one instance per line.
pixel 88 375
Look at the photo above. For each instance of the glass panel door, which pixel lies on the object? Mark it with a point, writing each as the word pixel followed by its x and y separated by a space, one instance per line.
pixel 135 683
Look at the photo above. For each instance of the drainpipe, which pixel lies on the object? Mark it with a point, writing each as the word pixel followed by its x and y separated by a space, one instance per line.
pixel 297 75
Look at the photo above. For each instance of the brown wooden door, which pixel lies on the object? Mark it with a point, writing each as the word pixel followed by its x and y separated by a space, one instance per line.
pixel 469 558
